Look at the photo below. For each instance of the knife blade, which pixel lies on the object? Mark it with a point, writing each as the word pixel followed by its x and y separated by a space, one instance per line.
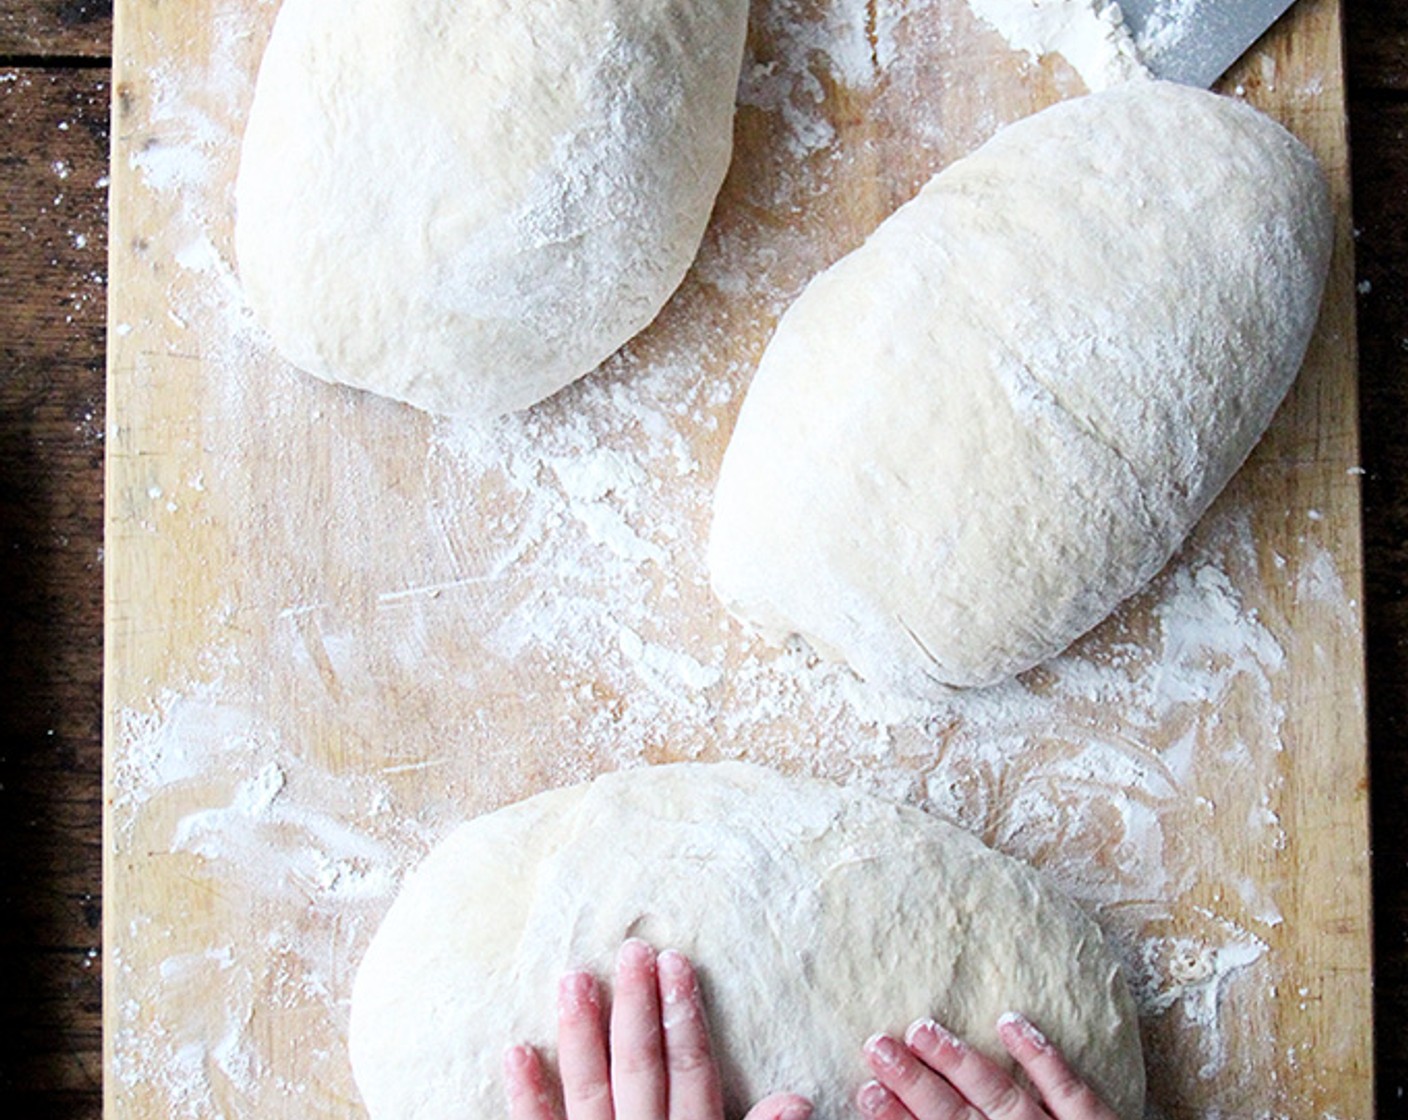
pixel 1195 41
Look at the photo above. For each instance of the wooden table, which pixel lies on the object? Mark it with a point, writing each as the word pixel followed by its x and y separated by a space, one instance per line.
pixel 55 69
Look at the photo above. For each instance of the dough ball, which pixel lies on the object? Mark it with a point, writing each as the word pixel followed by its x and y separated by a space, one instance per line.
pixel 974 436
pixel 816 917
pixel 467 204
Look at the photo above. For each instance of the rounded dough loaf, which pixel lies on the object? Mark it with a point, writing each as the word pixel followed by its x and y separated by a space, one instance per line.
pixel 816 917
pixel 974 436
pixel 467 204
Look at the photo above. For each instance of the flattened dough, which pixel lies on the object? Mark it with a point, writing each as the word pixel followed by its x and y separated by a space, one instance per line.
pixel 974 436
pixel 467 204
pixel 817 916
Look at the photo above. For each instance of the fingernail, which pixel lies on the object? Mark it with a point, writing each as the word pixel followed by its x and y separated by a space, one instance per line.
pixel 796 1110
pixel 676 977
pixel 517 1058
pixel 1025 1028
pixel 635 953
pixel 928 1036
pixel 872 1097
pixel 885 1050
pixel 577 992
pixel 679 990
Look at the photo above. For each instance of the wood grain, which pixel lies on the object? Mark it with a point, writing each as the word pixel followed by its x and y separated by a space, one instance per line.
pixel 51 531
pixel 72 29
pixel 1376 39
pixel 53 233
pixel 1381 214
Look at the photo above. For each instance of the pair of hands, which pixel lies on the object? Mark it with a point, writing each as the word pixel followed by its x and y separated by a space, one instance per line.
pixel 656 1062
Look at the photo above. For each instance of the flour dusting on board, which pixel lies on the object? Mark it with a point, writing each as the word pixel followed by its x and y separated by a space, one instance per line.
pixel 529 602
pixel 1089 34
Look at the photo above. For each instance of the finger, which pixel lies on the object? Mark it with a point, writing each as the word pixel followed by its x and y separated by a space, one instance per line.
pixel 1065 1095
pixel 781 1106
pixel 581 1049
pixel 694 1090
pixel 637 1056
pixel 981 1081
pixel 925 1094
pixel 877 1103
pixel 525 1084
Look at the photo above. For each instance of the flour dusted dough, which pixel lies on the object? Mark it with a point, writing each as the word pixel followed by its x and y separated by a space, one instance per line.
pixel 466 204
pixel 816 916
pixel 975 435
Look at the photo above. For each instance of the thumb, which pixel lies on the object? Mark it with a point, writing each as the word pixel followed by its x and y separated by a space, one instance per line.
pixel 781 1106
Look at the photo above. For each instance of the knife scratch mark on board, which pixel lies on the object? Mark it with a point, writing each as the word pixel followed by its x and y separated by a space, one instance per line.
pixel 387 598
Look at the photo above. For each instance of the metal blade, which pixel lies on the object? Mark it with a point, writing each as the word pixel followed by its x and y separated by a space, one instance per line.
pixel 1195 41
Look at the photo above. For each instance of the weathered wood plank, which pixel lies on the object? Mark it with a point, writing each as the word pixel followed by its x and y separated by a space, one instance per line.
pixel 53 215
pixel 1376 45
pixel 56 28
pixel 1380 170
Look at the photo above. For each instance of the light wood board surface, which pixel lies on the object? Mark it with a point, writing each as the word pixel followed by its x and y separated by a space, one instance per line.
pixel 335 627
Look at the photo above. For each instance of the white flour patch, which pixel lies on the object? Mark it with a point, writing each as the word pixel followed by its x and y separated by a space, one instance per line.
pixel 1089 34
pixel 837 41
pixel 1193 975
pixel 1167 26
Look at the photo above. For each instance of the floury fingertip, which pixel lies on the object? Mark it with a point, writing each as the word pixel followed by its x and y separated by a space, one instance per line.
pixel 928 1035
pixel 1024 1027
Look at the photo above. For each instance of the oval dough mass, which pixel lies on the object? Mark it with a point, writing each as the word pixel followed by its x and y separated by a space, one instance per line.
pixel 816 916
pixel 974 436
pixel 467 204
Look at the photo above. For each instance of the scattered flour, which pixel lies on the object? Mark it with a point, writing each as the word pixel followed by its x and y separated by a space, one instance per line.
pixel 1089 34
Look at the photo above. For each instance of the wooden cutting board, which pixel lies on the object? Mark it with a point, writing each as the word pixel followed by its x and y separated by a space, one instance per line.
pixel 336 627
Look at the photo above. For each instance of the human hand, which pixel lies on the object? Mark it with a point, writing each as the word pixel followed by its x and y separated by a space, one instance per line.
pixel 932 1075
pixel 656 1064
